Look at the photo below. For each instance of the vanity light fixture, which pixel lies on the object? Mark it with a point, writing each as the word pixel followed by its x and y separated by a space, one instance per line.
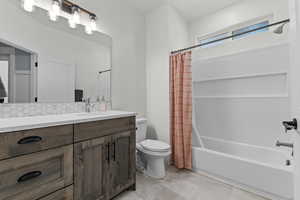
pixel 28 5
pixel 54 11
pixel 74 13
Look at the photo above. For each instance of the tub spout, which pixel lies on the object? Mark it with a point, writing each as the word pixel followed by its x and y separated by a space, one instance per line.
pixel 284 144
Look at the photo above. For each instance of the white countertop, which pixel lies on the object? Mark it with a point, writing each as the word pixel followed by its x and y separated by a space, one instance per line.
pixel 26 123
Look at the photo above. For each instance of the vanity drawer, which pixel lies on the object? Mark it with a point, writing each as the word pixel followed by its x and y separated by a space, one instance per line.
pixel 23 142
pixel 33 176
pixel 90 130
pixel 64 194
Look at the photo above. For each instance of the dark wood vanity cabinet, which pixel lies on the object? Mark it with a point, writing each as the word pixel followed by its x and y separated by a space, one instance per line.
pixel 122 165
pixel 87 161
pixel 91 169
pixel 36 175
pixel 63 194
pixel 104 166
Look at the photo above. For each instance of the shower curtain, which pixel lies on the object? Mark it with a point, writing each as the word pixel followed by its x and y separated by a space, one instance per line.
pixel 181 109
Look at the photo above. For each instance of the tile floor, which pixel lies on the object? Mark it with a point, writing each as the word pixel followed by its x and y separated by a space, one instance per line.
pixel 184 185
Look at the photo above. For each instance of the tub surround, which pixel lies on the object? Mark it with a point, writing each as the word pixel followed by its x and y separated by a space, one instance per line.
pixel 231 162
pixel 70 156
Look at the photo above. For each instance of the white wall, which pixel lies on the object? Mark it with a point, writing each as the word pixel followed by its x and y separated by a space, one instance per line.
pixel 165 30
pixel 58 89
pixel 127 29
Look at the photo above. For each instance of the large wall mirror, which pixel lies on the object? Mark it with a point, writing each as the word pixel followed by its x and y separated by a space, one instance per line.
pixel 53 63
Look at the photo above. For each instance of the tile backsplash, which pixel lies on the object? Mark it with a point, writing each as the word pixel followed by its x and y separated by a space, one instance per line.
pixel 34 109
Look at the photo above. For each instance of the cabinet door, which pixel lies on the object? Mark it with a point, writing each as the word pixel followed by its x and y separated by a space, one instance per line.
pixel 36 175
pixel 91 169
pixel 122 166
pixel 64 194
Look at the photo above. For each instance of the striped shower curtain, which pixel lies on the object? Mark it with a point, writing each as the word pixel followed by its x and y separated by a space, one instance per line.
pixel 181 109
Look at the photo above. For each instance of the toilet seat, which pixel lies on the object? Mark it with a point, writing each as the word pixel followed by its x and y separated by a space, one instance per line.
pixel 155 146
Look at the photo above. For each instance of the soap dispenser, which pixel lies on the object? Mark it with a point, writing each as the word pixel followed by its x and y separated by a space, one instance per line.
pixel 103 106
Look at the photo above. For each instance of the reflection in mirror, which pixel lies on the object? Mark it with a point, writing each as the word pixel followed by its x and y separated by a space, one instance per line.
pixel 72 67
pixel 3 81
pixel 17 75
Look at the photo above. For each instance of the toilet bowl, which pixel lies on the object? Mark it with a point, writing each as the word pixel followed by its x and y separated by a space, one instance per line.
pixel 151 154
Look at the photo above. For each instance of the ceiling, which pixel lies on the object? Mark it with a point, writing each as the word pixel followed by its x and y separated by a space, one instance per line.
pixel 190 9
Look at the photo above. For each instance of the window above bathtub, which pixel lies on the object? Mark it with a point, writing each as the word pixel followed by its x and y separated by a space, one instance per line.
pixel 233 30
pixel 250 28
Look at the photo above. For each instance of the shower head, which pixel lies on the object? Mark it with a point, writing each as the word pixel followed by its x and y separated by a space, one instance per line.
pixel 279 29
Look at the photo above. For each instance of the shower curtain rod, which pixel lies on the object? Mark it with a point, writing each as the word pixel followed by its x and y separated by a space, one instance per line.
pixel 232 36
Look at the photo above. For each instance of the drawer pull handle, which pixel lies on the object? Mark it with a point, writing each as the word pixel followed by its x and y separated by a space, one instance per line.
pixel 30 139
pixel 29 176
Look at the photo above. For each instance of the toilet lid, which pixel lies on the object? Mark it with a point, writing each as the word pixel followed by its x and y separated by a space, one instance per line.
pixel 155 146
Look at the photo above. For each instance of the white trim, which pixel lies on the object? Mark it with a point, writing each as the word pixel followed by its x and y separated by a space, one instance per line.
pixel 34 76
pixel 242 76
pixel 249 50
pixel 280 96
pixel 24 72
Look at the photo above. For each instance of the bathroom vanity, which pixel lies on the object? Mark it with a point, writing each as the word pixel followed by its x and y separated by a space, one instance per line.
pixel 61 152
pixel 64 157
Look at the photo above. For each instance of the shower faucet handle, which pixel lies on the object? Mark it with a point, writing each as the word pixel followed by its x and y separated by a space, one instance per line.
pixel 290 125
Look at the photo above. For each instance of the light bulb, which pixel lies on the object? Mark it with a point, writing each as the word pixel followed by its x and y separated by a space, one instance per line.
pixel 28 5
pixel 72 24
pixel 55 10
pixel 76 16
pixel 56 7
pixel 93 22
pixel 88 29
pixel 52 16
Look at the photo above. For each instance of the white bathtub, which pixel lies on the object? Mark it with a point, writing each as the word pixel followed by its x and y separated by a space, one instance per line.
pixel 257 169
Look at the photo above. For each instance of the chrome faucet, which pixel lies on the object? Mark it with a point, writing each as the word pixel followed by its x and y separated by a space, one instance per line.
pixel 88 105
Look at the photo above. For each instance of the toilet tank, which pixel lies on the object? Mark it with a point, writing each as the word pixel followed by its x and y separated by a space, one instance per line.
pixel 141 125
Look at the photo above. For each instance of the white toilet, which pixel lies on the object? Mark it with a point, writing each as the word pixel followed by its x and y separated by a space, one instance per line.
pixel 151 154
